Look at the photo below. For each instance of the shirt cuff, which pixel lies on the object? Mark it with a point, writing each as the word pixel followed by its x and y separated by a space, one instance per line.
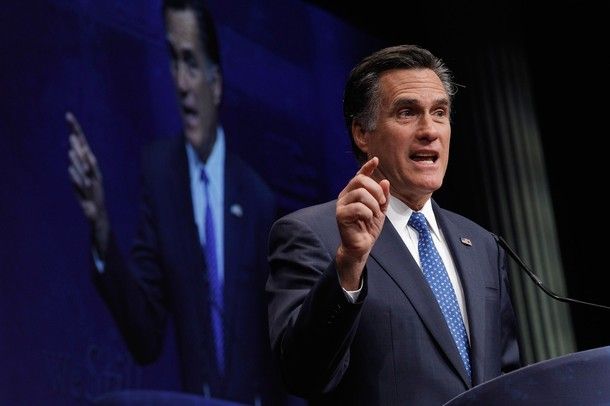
pixel 352 295
pixel 100 265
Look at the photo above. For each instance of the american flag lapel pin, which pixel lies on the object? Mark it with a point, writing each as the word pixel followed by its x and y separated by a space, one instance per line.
pixel 466 241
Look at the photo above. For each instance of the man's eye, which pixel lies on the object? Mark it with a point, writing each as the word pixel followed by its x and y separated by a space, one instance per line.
pixel 440 112
pixel 191 62
pixel 405 112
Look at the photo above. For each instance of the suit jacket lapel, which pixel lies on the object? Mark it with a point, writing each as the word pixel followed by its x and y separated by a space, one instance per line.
pixel 470 273
pixel 402 268
pixel 186 229
pixel 186 237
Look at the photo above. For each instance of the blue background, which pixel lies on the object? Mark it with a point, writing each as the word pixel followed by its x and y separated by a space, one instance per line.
pixel 285 65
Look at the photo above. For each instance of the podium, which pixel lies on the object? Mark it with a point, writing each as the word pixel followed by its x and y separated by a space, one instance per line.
pixel 134 397
pixel 581 378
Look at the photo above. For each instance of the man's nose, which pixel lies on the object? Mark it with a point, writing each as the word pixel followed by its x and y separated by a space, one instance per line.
pixel 428 128
pixel 181 78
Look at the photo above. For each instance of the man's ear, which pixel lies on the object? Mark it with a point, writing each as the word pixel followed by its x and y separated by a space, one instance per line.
pixel 361 137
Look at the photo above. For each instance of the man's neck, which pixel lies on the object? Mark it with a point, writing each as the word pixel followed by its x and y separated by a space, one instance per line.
pixel 204 151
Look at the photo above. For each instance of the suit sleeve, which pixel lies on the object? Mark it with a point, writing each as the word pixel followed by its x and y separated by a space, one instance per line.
pixel 135 291
pixel 311 323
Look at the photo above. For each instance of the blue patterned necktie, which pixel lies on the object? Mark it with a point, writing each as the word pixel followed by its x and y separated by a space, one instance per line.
pixel 438 279
pixel 216 289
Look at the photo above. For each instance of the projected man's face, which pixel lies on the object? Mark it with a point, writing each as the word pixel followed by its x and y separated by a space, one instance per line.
pixel 197 80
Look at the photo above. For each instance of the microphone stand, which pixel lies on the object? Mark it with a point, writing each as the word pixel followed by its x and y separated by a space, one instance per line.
pixel 537 280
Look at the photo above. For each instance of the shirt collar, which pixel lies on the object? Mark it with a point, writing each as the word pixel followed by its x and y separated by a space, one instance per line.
pixel 399 214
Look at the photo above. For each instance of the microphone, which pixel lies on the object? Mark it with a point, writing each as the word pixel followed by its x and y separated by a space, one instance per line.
pixel 537 280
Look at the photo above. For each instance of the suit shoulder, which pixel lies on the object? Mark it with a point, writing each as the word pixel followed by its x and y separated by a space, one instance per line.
pixel 239 171
pixel 458 218
pixel 159 152
pixel 465 223
pixel 319 221
pixel 321 218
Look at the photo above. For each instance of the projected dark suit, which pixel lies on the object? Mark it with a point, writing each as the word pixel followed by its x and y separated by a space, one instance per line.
pixel 167 275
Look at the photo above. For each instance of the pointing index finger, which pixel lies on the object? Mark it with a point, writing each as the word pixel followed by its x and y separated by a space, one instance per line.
pixel 369 167
pixel 74 125
pixel 379 189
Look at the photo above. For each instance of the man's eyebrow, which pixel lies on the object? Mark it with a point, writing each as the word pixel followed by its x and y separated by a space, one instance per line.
pixel 403 101
pixel 408 102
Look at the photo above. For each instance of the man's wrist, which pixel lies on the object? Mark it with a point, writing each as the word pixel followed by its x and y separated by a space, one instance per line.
pixel 349 269
pixel 100 233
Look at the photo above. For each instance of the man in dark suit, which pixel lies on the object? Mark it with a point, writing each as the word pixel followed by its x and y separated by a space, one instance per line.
pixel 198 253
pixel 381 297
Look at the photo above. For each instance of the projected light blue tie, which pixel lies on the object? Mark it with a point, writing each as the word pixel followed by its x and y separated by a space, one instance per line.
pixel 438 279
pixel 216 288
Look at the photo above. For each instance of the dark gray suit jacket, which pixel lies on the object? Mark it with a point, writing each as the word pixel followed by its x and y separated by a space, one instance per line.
pixel 393 346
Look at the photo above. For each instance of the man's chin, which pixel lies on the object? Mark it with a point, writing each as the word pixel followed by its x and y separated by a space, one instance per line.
pixel 194 137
